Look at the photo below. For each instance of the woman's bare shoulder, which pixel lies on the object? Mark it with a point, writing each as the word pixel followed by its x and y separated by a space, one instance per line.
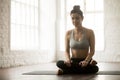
pixel 89 31
pixel 69 32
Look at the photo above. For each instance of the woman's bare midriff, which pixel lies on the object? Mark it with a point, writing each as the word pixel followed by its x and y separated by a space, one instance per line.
pixel 82 54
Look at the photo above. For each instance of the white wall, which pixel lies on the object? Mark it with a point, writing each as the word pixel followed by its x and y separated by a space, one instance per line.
pixel 4 31
pixel 111 51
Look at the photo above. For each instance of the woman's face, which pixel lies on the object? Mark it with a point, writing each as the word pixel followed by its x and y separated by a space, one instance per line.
pixel 76 19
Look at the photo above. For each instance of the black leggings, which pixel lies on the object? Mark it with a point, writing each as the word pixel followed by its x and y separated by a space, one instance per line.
pixel 76 68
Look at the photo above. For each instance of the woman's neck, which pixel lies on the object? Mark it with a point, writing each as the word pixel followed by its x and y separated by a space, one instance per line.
pixel 78 29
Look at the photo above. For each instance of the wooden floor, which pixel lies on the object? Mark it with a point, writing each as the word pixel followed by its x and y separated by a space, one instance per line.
pixel 16 73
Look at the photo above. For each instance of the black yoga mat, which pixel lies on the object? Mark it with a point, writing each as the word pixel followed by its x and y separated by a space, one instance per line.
pixel 55 73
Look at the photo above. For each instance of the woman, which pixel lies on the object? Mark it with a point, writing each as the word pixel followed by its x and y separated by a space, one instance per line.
pixel 81 42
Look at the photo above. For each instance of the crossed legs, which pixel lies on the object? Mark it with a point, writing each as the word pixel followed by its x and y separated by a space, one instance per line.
pixel 76 68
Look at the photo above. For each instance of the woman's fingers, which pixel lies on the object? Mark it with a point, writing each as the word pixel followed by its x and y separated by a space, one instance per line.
pixel 83 63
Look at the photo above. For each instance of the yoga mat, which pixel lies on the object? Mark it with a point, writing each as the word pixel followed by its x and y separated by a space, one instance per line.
pixel 41 73
pixel 55 73
pixel 108 73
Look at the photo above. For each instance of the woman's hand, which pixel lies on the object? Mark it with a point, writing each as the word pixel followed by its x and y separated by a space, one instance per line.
pixel 83 63
pixel 68 63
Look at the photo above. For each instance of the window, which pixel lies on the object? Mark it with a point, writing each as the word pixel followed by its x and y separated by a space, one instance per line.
pixel 24 25
pixel 93 18
pixel 27 34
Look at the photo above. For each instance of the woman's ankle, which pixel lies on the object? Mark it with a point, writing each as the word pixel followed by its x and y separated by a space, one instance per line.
pixel 60 72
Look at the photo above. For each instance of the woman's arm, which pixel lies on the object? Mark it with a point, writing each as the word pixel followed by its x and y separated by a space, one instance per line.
pixel 92 49
pixel 92 46
pixel 67 47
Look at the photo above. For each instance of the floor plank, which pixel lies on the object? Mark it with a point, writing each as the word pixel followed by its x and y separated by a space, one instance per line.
pixel 16 73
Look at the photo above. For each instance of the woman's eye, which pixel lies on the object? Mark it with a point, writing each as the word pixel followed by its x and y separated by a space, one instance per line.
pixel 77 18
pixel 73 18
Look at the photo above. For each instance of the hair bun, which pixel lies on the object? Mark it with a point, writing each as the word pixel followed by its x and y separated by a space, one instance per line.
pixel 77 7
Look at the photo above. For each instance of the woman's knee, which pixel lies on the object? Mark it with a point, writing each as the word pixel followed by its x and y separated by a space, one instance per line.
pixel 92 69
pixel 60 63
pixel 95 69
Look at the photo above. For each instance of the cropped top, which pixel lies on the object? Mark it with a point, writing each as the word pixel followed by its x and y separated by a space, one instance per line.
pixel 82 44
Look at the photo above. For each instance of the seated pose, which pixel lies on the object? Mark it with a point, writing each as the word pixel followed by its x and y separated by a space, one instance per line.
pixel 81 42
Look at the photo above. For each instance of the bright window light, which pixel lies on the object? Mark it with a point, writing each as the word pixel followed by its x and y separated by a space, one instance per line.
pixel 24 25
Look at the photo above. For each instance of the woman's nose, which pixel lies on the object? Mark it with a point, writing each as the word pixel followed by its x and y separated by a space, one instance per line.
pixel 74 20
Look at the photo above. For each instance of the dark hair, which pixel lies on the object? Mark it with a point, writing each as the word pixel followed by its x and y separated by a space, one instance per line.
pixel 76 9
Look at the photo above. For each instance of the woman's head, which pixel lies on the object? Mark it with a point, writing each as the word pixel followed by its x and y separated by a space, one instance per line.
pixel 76 16
pixel 76 9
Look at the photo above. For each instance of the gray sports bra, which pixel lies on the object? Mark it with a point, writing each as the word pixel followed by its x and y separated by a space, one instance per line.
pixel 82 44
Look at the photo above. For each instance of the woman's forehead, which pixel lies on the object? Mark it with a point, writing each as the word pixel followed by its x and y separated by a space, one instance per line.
pixel 75 15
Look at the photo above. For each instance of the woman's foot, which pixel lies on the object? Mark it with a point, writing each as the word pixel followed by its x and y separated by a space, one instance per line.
pixel 60 72
pixel 93 62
